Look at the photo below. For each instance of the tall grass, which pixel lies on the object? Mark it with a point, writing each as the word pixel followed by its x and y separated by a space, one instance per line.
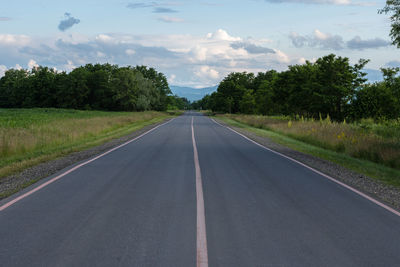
pixel 28 134
pixel 377 142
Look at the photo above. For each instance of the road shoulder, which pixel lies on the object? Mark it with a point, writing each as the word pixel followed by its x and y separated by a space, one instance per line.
pixel 387 194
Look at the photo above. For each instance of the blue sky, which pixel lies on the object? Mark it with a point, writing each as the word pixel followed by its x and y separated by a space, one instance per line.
pixel 195 43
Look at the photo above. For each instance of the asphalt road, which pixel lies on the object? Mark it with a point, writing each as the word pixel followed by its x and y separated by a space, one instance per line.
pixel 138 206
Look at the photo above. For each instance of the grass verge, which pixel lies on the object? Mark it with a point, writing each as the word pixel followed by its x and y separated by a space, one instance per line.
pixel 380 172
pixel 32 136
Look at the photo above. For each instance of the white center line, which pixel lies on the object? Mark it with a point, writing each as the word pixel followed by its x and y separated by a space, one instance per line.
pixel 202 255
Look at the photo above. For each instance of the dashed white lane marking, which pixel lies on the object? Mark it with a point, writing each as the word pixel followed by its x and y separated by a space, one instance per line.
pixel 201 244
pixel 15 200
pixel 320 173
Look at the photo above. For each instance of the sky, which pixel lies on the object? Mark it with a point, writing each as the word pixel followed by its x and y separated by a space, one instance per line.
pixel 194 43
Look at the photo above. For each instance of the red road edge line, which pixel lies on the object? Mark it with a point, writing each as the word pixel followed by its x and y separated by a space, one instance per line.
pixel 201 244
pixel 15 200
pixel 386 207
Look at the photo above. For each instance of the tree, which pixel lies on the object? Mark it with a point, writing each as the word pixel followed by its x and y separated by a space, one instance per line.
pixel 13 88
pixel 202 104
pixel 338 81
pixel 374 101
pixel 75 92
pixel 393 7
pixel 178 103
pixel 264 85
pixel 325 87
pixel 125 87
pixel 247 104
pixel 145 94
pixel 231 90
pixel 160 83
pixel 42 87
pixel 99 86
pixel 300 89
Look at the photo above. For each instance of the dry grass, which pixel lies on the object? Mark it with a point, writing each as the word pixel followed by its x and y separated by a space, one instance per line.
pixel 379 143
pixel 29 137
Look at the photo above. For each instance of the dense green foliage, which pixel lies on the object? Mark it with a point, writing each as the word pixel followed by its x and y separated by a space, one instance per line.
pixel 330 86
pixel 178 103
pixel 393 7
pixel 99 87
pixel 366 147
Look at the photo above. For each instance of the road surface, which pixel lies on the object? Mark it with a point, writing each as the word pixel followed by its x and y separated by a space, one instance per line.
pixel 141 205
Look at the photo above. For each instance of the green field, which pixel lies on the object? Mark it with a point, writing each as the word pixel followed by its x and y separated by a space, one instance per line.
pixel 32 136
pixel 366 147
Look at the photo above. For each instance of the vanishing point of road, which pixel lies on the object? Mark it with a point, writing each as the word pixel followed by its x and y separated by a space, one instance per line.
pixel 192 192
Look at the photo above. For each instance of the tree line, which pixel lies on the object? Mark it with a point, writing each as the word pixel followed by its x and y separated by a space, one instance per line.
pixel 330 86
pixel 99 87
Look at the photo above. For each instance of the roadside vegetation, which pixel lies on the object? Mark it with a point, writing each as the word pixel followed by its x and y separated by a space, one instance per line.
pixel 378 171
pixel 327 104
pixel 377 142
pixel 32 136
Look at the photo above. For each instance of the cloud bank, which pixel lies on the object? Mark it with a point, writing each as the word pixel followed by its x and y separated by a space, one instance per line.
pixel 328 41
pixel 252 48
pixel 189 59
pixel 358 44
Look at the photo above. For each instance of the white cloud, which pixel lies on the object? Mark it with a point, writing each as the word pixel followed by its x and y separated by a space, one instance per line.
pixel 101 54
pixel 222 35
pixel 32 64
pixel 14 40
pixel 301 60
pixel 281 57
pixel 207 72
pixel 130 52
pixel 210 57
pixel 320 35
pixel 199 53
pixel 172 78
pixel 318 39
pixel 74 38
pixel 104 38
pixel 3 70
pixel 69 66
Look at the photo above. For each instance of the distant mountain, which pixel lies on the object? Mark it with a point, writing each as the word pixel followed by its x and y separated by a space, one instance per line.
pixel 191 93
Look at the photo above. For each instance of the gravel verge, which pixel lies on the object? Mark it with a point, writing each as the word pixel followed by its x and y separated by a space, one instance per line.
pixel 16 182
pixel 387 194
